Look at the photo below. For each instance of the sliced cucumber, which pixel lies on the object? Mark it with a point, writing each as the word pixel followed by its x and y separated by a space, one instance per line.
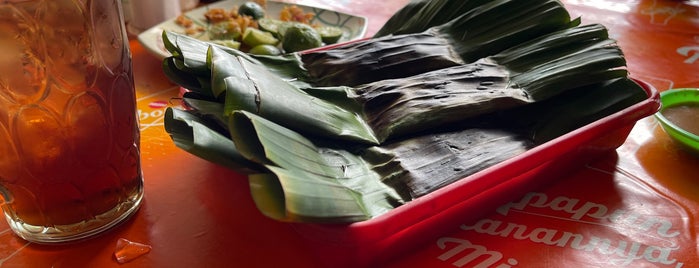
pixel 330 34
pixel 227 43
pixel 265 50
pixel 255 37
pixel 271 25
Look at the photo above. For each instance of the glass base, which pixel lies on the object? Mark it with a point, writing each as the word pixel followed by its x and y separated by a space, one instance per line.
pixel 78 231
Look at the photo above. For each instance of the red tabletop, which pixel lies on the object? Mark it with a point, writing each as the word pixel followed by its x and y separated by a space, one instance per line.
pixel 636 207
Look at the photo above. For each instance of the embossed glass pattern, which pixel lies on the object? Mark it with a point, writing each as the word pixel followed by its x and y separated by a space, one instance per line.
pixel 69 140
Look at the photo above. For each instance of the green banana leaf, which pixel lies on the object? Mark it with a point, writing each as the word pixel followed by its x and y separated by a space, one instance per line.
pixel 484 31
pixel 347 134
pixel 251 87
pixel 196 136
pixel 191 57
pixel 320 184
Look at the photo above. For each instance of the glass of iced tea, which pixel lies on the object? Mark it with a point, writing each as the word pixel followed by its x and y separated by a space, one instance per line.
pixel 69 138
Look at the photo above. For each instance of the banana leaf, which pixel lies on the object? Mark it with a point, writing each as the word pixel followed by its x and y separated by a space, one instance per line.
pixel 291 189
pixel 402 107
pixel 478 33
pixel 378 59
pixel 320 184
pixel 547 120
pixel 340 138
pixel 185 78
pixel 191 60
pixel 391 108
pixel 539 122
pixel 560 61
pixel 537 51
pixel 419 165
pixel 572 57
pixel 251 87
pixel 313 180
pixel 197 136
pixel 420 15
pixel 488 28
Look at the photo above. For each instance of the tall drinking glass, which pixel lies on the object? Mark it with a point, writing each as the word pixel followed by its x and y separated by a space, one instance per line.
pixel 69 138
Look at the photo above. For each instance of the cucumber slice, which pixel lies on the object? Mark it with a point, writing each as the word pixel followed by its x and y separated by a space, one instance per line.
pixel 227 43
pixel 271 25
pixel 330 34
pixel 255 37
pixel 265 50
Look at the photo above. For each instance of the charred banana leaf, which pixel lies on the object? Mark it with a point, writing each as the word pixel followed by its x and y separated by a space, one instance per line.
pixel 478 33
pixel 535 71
pixel 420 165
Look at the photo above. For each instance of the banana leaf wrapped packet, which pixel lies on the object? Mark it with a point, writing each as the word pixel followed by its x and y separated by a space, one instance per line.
pixel 325 147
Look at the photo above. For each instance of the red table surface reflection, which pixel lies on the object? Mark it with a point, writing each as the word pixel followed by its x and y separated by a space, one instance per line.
pixel 645 196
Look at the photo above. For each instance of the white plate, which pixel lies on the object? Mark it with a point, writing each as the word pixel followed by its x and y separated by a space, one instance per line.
pixel 354 27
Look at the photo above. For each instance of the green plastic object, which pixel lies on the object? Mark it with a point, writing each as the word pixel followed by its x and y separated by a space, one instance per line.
pixel 674 97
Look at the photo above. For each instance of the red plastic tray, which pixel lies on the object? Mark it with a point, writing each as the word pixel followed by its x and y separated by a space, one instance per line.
pixel 375 241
